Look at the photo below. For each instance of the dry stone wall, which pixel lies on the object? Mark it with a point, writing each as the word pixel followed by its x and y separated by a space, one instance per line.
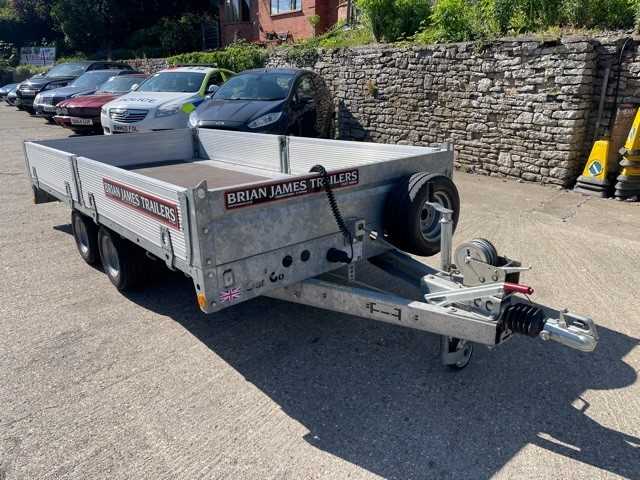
pixel 148 65
pixel 521 108
pixel 516 108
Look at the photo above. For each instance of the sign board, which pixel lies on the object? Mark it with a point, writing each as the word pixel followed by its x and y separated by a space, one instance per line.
pixel 150 205
pixel 42 56
pixel 272 191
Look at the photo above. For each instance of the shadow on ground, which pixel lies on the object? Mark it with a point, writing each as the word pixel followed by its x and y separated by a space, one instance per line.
pixel 376 396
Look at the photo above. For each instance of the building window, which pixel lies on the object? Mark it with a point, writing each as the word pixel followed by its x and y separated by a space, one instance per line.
pixel 236 10
pixel 284 6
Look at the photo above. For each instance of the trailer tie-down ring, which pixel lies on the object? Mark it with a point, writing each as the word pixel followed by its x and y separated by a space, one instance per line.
pixel 335 255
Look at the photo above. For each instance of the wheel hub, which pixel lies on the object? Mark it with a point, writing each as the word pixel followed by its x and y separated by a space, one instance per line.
pixel 110 257
pixel 82 236
pixel 430 217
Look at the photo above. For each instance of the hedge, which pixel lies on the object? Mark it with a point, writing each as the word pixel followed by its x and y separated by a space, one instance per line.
pixel 237 57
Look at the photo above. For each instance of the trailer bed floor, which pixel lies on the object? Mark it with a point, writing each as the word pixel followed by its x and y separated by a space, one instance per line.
pixel 189 174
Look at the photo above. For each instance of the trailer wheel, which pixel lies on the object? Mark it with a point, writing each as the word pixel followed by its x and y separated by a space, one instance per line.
pixel 85 233
pixel 412 224
pixel 121 261
pixel 456 345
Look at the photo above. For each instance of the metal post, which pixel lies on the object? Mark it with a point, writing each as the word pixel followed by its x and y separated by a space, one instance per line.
pixel 446 234
pixel 446 239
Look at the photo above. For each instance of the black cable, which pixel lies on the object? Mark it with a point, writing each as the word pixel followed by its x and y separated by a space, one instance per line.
pixel 333 204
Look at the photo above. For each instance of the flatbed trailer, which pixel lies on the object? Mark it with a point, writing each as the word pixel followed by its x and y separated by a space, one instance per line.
pixel 298 219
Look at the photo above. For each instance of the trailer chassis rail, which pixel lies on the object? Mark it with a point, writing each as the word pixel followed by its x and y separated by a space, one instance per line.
pixel 462 304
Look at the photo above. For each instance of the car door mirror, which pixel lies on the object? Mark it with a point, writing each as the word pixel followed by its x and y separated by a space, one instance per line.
pixel 135 87
pixel 213 89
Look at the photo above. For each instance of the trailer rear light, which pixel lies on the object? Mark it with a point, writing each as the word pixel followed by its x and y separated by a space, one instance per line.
pixel 202 300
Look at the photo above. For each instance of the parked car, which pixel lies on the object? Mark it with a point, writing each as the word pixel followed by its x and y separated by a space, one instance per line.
pixel 45 102
pixel 12 96
pixel 277 101
pixel 164 101
pixel 82 114
pixel 59 76
pixel 4 91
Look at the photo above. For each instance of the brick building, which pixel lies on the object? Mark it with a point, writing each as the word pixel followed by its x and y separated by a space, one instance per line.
pixel 265 20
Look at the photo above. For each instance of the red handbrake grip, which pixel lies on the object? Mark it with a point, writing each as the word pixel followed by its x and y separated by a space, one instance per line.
pixel 517 288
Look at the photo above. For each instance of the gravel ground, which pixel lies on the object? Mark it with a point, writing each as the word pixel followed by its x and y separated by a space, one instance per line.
pixel 94 384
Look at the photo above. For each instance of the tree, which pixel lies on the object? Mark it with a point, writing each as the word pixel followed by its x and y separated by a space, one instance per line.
pixel 88 26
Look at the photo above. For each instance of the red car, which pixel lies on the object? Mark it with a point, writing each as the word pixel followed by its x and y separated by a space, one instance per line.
pixel 82 114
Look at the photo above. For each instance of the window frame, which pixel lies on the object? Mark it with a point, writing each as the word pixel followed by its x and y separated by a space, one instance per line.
pixel 285 12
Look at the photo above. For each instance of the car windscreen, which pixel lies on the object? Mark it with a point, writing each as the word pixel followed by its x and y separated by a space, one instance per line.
pixel 257 86
pixel 173 82
pixel 120 84
pixel 91 79
pixel 67 70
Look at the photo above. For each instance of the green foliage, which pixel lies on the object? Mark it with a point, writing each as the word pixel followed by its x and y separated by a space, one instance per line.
pixel 461 20
pixel 305 52
pixel 22 72
pixel 452 20
pixel 169 36
pixel 238 56
pixel 96 24
pixel 343 36
pixel 314 20
pixel 392 20
pixel 600 13
pixel 76 57
pixel 104 26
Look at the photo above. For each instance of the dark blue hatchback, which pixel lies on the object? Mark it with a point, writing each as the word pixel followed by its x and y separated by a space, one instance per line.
pixel 276 101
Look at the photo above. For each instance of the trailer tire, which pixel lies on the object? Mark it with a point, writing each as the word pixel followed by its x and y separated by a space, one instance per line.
pixel 85 233
pixel 410 224
pixel 123 262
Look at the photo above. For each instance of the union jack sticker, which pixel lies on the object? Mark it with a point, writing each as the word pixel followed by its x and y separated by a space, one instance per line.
pixel 229 295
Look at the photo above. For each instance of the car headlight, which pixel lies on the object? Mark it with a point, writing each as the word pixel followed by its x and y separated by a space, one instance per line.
pixel 265 120
pixel 167 111
pixel 37 99
pixel 193 120
pixel 62 111
pixel 104 111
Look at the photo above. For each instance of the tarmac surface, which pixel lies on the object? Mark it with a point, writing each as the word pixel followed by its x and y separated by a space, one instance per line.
pixel 97 385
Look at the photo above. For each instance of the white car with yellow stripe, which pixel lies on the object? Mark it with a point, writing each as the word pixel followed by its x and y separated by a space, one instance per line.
pixel 163 101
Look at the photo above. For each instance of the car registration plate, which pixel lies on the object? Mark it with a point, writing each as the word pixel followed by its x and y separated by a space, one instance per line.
pixel 81 121
pixel 49 108
pixel 125 128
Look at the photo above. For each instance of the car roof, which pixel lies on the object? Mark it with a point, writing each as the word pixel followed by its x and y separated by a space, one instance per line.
pixel 290 71
pixel 197 69
pixel 91 62
pixel 114 71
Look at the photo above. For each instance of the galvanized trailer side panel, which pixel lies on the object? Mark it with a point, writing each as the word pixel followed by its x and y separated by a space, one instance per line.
pixel 52 170
pixel 96 178
pixel 304 153
pixel 127 150
pixel 239 148
pixel 252 230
